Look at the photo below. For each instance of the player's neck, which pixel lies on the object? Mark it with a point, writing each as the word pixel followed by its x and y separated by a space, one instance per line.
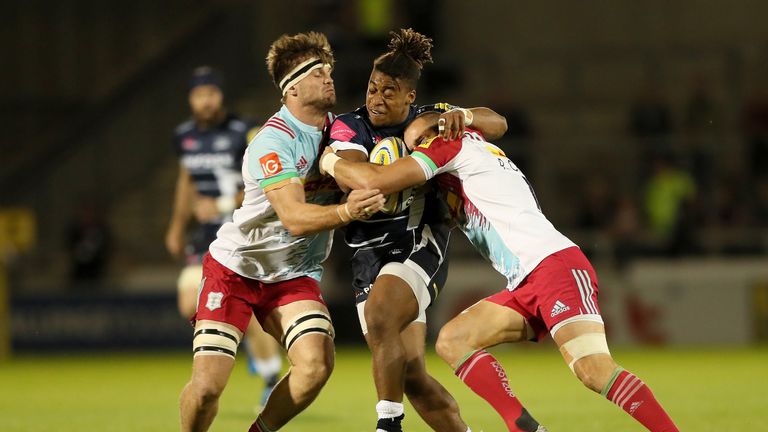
pixel 214 121
pixel 308 114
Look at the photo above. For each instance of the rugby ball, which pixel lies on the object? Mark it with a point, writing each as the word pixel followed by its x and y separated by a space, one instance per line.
pixel 386 152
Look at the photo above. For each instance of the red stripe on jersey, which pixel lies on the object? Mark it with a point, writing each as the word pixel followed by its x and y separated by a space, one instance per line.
pixel 440 151
pixel 279 126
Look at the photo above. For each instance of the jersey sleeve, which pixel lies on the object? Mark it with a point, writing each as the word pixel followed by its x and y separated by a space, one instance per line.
pixel 270 161
pixel 434 156
pixel 348 133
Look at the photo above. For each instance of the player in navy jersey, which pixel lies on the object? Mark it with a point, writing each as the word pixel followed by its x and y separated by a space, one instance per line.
pixel 210 147
pixel 551 286
pixel 400 260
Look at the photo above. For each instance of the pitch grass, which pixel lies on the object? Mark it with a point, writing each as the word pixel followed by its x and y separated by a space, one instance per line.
pixel 704 390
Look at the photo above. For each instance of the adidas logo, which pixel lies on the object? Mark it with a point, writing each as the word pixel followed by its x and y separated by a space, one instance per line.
pixel 634 407
pixel 559 308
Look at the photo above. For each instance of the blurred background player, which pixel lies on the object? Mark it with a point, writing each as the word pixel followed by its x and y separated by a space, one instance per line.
pixel 267 261
pixel 551 286
pixel 400 260
pixel 210 147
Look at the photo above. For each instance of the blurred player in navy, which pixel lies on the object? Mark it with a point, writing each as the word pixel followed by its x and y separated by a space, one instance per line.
pixel 400 260
pixel 209 187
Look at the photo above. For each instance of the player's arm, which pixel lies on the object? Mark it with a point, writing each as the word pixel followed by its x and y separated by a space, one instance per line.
pixel 302 218
pixel 453 122
pixel 492 124
pixel 352 156
pixel 181 213
pixel 402 174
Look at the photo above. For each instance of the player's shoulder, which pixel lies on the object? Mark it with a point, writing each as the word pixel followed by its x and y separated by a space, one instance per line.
pixel 238 124
pixel 353 118
pixel 184 128
pixel 277 128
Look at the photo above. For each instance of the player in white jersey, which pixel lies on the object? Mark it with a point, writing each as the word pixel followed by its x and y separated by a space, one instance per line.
pixel 209 187
pixel 267 260
pixel 551 286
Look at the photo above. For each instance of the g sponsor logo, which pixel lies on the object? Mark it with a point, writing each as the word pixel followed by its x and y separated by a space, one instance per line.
pixel 270 164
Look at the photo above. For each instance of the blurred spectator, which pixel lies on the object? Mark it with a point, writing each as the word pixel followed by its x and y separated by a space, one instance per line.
pixel 89 240
pixel 669 201
pixel 625 231
pixel 650 122
pixel 755 128
pixel 597 205
pixel 701 127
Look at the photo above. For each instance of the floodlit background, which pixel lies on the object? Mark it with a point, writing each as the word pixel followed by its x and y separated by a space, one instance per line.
pixel 643 127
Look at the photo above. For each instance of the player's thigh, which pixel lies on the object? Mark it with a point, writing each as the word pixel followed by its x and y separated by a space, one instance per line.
pixel 188 287
pixel 304 325
pixel 261 343
pixel 392 299
pixel 486 324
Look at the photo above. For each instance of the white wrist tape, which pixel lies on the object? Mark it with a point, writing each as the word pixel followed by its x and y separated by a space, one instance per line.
pixel 468 116
pixel 328 162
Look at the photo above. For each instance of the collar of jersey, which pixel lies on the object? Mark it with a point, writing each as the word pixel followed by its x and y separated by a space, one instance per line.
pixel 285 114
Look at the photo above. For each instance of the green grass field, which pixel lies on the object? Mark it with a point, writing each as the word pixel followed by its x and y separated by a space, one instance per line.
pixel 704 390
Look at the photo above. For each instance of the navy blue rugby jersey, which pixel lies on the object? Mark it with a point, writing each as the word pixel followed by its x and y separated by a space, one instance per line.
pixel 214 157
pixel 354 131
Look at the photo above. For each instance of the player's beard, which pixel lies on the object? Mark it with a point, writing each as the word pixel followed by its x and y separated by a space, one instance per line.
pixel 324 102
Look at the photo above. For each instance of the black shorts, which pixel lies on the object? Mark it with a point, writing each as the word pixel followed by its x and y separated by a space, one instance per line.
pixel 198 241
pixel 425 249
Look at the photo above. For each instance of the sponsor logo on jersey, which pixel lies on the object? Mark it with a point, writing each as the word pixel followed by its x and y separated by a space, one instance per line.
pixel 559 308
pixel 214 300
pixel 221 143
pixel 190 144
pixel 270 164
pixel 342 132
pixel 208 161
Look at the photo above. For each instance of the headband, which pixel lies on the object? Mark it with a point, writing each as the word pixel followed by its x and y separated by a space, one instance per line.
pixel 300 72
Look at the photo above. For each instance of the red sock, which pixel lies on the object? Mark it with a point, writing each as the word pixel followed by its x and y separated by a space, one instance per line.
pixel 633 396
pixel 258 426
pixel 485 376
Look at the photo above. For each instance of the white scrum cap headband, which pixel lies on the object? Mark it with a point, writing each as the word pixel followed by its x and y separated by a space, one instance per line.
pixel 300 72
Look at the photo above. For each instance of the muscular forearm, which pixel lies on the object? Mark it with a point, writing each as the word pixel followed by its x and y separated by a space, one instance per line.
pixel 305 219
pixel 490 123
pixel 357 175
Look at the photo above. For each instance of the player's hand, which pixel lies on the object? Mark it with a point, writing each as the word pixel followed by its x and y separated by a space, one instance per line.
pixel 451 124
pixel 174 242
pixel 205 209
pixel 363 203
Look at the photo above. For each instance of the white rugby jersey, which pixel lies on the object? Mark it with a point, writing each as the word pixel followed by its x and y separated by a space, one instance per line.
pixel 256 244
pixel 492 202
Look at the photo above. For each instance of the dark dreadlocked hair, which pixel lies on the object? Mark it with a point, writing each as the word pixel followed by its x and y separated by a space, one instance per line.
pixel 407 53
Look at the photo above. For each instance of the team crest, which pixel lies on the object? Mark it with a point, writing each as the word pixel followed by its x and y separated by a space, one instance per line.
pixel 214 300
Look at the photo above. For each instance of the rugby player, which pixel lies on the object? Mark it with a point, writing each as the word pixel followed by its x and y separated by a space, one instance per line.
pixel 210 148
pixel 400 260
pixel 551 286
pixel 267 260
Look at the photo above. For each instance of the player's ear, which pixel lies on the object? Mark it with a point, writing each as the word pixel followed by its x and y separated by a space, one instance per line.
pixel 411 97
